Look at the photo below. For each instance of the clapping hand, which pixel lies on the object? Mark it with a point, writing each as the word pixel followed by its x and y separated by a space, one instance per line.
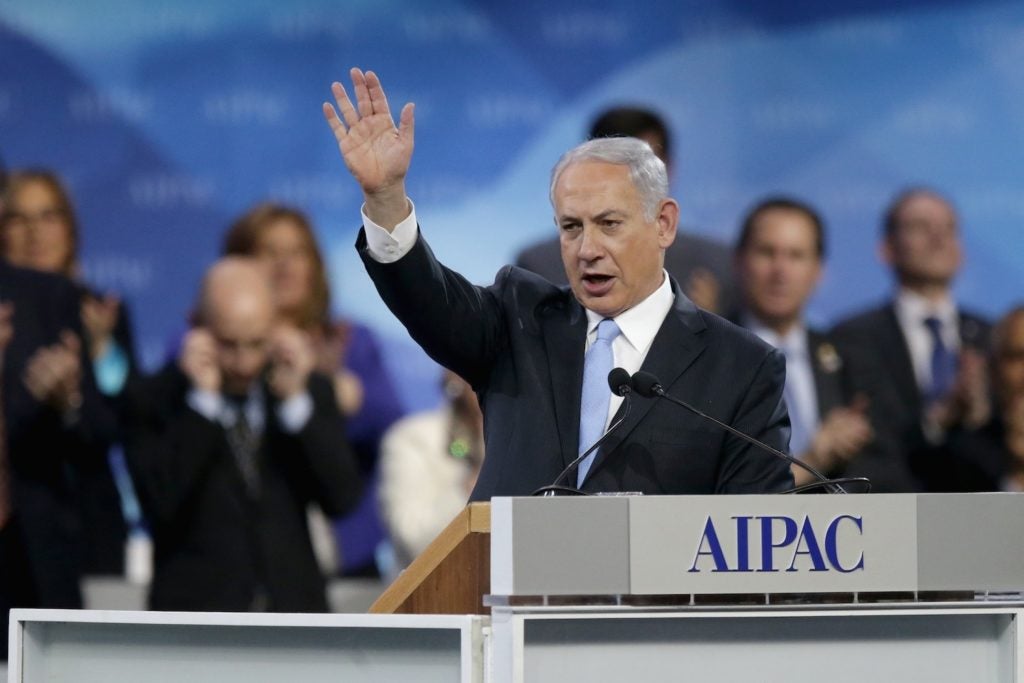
pixel 53 374
pixel 375 151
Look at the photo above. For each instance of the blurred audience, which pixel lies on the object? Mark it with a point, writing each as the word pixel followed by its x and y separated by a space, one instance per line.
pixel 919 358
pixel 229 445
pixel 989 456
pixel 779 258
pixel 283 238
pixel 701 266
pixel 429 465
pixel 40 232
pixel 51 430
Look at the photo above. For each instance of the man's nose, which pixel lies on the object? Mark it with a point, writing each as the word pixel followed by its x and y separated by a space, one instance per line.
pixel 591 244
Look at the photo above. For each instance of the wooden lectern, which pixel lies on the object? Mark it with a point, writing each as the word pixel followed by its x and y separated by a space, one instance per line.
pixel 451 576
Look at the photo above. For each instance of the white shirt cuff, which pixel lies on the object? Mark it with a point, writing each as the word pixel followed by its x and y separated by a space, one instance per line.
pixel 294 413
pixel 388 247
pixel 209 404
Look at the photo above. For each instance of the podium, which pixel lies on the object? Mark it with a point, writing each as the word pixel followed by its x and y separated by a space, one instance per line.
pixel 644 588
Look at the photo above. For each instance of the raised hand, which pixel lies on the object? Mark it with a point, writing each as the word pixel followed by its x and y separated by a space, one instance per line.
pixel 375 151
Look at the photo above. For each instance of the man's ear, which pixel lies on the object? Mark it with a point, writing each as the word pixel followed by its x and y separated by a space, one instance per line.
pixel 668 222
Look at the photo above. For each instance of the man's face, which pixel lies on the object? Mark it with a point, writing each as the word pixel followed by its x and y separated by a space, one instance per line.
pixel 1009 365
pixel 241 328
pixel 612 254
pixel 925 246
pixel 779 267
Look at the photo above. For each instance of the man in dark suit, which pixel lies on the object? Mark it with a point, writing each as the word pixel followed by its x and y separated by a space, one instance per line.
pixel 538 355
pixel 227 448
pixel 779 257
pixel 702 265
pixel 919 356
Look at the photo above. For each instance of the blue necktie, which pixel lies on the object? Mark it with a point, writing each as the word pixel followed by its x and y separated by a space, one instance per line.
pixel 598 362
pixel 943 362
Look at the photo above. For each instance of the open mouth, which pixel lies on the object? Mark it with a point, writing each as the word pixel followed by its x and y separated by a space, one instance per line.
pixel 597 284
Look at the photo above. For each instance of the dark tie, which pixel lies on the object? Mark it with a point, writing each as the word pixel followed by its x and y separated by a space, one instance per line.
pixel 245 442
pixel 943 362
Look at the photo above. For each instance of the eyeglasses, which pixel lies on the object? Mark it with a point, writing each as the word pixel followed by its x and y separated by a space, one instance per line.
pixel 47 218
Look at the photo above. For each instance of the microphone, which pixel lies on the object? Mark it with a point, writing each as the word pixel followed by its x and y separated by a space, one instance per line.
pixel 648 386
pixel 621 385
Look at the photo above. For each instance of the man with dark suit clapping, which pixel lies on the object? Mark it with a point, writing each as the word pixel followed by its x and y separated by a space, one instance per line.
pixel 530 349
pixel 919 358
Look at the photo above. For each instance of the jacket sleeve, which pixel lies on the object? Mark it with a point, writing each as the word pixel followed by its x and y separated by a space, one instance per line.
pixel 762 414
pixel 459 325
pixel 318 458
pixel 169 447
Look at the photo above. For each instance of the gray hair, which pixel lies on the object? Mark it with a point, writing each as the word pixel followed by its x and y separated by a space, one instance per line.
pixel 646 170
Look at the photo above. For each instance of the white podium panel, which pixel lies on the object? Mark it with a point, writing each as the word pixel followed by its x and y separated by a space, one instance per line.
pixel 951 644
pixel 58 646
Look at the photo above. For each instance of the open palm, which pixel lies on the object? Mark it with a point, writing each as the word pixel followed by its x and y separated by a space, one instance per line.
pixel 375 151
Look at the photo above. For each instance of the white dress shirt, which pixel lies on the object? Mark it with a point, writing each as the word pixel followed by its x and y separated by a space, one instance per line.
pixel 911 311
pixel 292 413
pixel 638 325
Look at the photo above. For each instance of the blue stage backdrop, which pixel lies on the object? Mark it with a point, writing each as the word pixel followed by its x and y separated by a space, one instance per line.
pixel 167 118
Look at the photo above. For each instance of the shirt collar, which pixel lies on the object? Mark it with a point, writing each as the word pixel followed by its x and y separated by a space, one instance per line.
pixel 641 323
pixel 794 341
pixel 912 309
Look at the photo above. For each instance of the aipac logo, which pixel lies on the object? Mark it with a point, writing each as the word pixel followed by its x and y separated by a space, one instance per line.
pixel 774 543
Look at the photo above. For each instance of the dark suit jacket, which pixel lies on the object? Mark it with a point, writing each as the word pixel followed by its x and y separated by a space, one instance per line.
pixel 686 254
pixel 877 364
pixel 214 545
pixel 520 344
pixel 42 545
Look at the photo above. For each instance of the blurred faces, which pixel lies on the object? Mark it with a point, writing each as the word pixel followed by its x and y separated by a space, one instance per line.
pixel 779 267
pixel 924 247
pixel 1009 358
pixel 613 256
pixel 37 232
pixel 284 248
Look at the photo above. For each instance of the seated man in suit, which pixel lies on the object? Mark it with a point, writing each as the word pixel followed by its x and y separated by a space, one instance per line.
pixel 779 257
pixel 538 355
pixel 227 448
pixel 918 357
pixel 700 264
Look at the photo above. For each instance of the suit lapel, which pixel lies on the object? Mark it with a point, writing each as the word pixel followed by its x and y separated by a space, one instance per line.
pixel 676 346
pixel 564 331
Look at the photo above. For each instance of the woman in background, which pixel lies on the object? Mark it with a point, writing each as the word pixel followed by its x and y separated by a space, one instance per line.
pixel 40 232
pixel 283 238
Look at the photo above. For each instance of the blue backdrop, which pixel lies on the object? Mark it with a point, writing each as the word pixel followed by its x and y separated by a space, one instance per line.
pixel 167 118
